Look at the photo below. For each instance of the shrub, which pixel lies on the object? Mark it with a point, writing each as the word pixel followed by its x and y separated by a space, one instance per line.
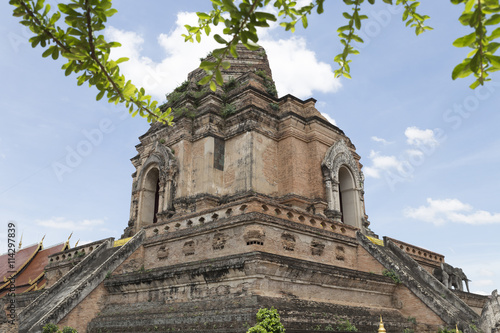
pixel 268 321
pixel 393 275
pixel 344 325
pixel 53 328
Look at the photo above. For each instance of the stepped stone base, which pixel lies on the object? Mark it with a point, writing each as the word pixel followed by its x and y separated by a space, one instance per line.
pixel 224 295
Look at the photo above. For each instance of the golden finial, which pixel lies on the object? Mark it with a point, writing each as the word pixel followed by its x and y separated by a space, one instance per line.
pixel 21 241
pixel 456 327
pixel 77 243
pixel 41 242
pixel 381 328
pixel 67 242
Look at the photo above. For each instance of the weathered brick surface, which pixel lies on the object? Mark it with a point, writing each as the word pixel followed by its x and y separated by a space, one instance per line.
pixel 86 310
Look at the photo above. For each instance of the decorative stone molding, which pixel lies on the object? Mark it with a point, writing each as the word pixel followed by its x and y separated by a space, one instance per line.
pixel 161 159
pixel 340 156
pixel 339 253
pixel 254 235
pixel 288 241
pixel 219 241
pixel 189 248
pixel 162 252
pixel 317 248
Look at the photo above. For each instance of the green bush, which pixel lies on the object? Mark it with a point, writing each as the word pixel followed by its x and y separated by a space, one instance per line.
pixel 393 275
pixel 52 328
pixel 268 321
pixel 344 325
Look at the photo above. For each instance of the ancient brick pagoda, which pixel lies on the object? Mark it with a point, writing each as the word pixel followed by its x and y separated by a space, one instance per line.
pixel 248 201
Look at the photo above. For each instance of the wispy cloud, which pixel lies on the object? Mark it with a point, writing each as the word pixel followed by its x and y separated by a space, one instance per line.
pixel 383 141
pixel 64 223
pixel 159 78
pixel 440 212
pixel 419 142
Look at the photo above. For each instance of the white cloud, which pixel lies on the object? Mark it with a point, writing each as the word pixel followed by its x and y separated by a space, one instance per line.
pixel 63 223
pixel 330 119
pixel 377 139
pixel 418 137
pixel 451 211
pixel 414 152
pixel 295 68
pixel 421 142
pixel 381 163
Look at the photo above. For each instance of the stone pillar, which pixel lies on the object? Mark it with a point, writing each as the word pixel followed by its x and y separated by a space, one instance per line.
pixel 332 196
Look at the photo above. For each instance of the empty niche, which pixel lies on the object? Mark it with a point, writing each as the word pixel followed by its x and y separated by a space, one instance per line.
pixel 254 235
pixel 317 248
pixel 288 241
pixel 339 253
pixel 188 248
pixel 162 252
pixel 219 241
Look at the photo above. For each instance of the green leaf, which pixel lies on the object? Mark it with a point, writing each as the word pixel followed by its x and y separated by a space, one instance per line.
pixel 465 40
pixel 219 39
pixel 213 86
pixel 204 80
pixel 461 70
pixel 469 5
pixel 495 34
pixel 203 16
pixel 122 59
pixel 100 95
pixel 493 20
pixel 48 52
pixel 495 60
pixel 218 78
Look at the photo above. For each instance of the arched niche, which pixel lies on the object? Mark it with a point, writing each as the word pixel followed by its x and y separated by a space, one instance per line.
pixel 344 185
pixel 154 187
pixel 150 197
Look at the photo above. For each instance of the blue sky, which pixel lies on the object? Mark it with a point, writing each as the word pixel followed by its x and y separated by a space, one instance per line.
pixel 429 145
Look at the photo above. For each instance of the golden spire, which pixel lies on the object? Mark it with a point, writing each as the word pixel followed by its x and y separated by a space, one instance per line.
pixel 21 241
pixel 77 243
pixel 41 242
pixel 67 242
pixel 381 328
pixel 456 327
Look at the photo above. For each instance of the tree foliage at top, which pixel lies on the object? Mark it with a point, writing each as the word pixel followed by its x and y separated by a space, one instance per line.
pixel 87 52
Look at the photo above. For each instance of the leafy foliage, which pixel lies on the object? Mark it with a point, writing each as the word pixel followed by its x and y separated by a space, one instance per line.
pixel 393 275
pixel 481 61
pixel 268 321
pixel 52 328
pixel 86 52
pixel 344 325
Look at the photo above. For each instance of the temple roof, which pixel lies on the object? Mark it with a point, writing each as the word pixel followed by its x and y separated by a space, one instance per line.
pixel 28 267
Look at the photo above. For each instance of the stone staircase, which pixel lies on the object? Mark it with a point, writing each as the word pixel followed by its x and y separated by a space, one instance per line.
pixel 442 301
pixel 57 301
